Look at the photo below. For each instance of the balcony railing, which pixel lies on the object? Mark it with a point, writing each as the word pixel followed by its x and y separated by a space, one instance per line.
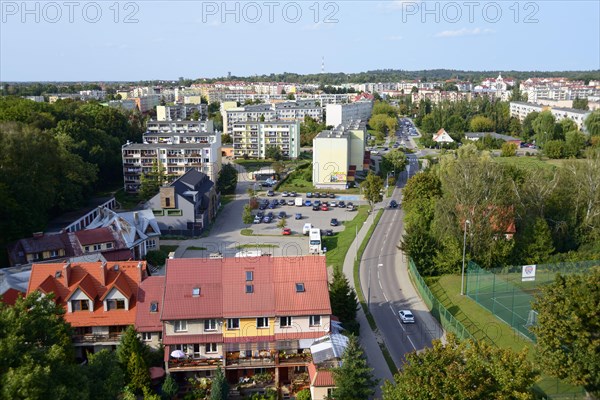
pixel 295 358
pixel 193 362
pixel 264 358
pixel 96 338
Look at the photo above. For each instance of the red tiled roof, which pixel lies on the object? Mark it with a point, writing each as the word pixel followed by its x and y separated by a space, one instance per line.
pixel 118 255
pixel 89 278
pixel 120 283
pixel 182 276
pixel 223 283
pixel 320 377
pixel 151 290
pixel 187 339
pixel 312 272
pixel 261 302
pixel 93 236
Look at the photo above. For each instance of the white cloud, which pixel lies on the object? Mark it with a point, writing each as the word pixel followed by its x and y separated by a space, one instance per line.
pixel 394 38
pixel 464 32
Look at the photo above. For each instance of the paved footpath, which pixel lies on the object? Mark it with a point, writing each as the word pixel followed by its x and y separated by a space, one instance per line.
pixel 367 337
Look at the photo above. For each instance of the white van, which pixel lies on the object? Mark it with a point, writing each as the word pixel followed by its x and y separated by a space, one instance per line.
pixel 306 229
pixel 298 201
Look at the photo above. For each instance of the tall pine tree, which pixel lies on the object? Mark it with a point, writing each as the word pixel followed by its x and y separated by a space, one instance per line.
pixel 354 378
pixel 343 298
pixel 219 388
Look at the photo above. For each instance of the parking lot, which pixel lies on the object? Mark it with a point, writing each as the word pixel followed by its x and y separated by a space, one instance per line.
pixel 319 219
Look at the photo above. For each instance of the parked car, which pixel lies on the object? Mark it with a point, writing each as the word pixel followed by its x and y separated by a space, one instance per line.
pixel 272 205
pixel 331 195
pixel 334 222
pixel 262 206
pixel 317 195
pixel 324 208
pixel 270 193
pixel 270 214
pixel 286 231
pixel 281 202
pixel 309 195
pixel 306 229
pixel 341 204
pixel 316 208
pixel 406 317
pixel 298 216
pixel 290 202
pixel 285 194
pixel 260 214
pixel 307 203
pixel 393 204
pixel 317 203
pixel 282 215
pixel 293 194
pixel 332 203
pixel 257 219
pixel 266 219
pixel 328 232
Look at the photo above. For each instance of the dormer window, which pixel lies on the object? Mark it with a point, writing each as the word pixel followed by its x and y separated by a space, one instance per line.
pixel 154 307
pixel 80 305
pixel 249 276
pixel 299 287
pixel 249 288
pixel 115 304
pixel 196 292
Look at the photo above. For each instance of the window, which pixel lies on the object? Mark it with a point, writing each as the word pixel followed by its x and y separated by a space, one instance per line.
pixel 154 307
pixel 285 322
pixel 315 320
pixel 146 336
pixel 210 324
pixel 80 305
pixel 150 243
pixel 159 335
pixel 87 248
pixel 249 288
pixel 249 276
pixel 233 323
pixel 196 292
pixel 300 286
pixel 196 350
pixel 210 348
pixel 109 245
pixel 168 202
pixel 97 247
pixel 115 304
pixel 262 322
pixel 180 326
pixel 54 253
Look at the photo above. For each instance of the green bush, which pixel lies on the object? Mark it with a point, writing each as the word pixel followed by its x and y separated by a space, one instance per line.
pixel 157 257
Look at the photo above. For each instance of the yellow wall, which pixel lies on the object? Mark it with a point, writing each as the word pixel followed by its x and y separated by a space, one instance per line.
pixel 329 155
pixel 248 328
pixel 357 148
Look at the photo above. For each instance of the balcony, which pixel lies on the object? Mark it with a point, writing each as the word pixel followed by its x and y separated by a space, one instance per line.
pixel 95 338
pixel 194 363
pixel 259 359
pixel 284 358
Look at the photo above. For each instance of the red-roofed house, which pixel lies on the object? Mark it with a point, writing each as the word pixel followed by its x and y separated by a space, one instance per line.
pixel 100 299
pixel 246 314
pixel 321 382
pixel 149 307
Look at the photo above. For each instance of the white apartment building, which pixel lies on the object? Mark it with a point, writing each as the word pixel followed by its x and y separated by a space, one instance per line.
pixel 181 112
pixel 340 114
pixel 176 146
pixel 520 110
pixel 252 138
pixel 283 111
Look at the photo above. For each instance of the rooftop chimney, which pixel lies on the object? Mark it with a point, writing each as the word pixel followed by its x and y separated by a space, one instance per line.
pixel 140 271
pixel 103 273
pixel 67 273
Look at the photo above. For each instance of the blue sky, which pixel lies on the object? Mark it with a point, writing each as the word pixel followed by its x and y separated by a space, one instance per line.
pixel 166 40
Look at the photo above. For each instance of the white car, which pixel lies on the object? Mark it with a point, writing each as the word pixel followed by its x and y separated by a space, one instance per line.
pixel 406 317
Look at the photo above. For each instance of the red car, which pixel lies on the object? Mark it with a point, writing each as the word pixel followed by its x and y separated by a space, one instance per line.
pixel 324 208
pixel 286 231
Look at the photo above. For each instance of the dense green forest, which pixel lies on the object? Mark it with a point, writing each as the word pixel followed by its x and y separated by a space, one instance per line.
pixel 53 157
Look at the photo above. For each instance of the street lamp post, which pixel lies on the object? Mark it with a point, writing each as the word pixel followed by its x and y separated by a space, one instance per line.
pixel 462 279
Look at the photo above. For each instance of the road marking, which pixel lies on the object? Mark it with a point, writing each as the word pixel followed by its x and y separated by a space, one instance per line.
pixel 407 336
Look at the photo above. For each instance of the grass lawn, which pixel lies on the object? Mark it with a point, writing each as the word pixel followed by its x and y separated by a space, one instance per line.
pixel 339 244
pixel 483 325
pixel 195 248
pixel 253 165
pixel 525 162
pixel 128 201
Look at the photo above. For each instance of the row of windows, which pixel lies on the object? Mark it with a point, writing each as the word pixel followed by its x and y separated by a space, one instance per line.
pixel 210 325
pixel 195 348
pixel 84 305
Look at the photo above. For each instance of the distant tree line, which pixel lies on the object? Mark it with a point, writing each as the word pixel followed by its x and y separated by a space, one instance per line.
pixel 53 157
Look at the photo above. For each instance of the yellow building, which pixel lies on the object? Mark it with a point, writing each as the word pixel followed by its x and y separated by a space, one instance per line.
pixel 338 154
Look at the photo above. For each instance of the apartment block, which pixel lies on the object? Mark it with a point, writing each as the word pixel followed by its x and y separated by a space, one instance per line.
pixel 338 154
pixel 181 112
pixel 247 315
pixel 282 111
pixel 174 147
pixel 99 298
pixel 339 114
pixel 520 110
pixel 252 138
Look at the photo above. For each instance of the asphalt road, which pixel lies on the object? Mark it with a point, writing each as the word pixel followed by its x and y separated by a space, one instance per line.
pixel 384 279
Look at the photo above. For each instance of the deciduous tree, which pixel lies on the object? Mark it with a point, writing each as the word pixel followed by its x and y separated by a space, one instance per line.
pixel 567 329
pixel 463 370
pixel 371 188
